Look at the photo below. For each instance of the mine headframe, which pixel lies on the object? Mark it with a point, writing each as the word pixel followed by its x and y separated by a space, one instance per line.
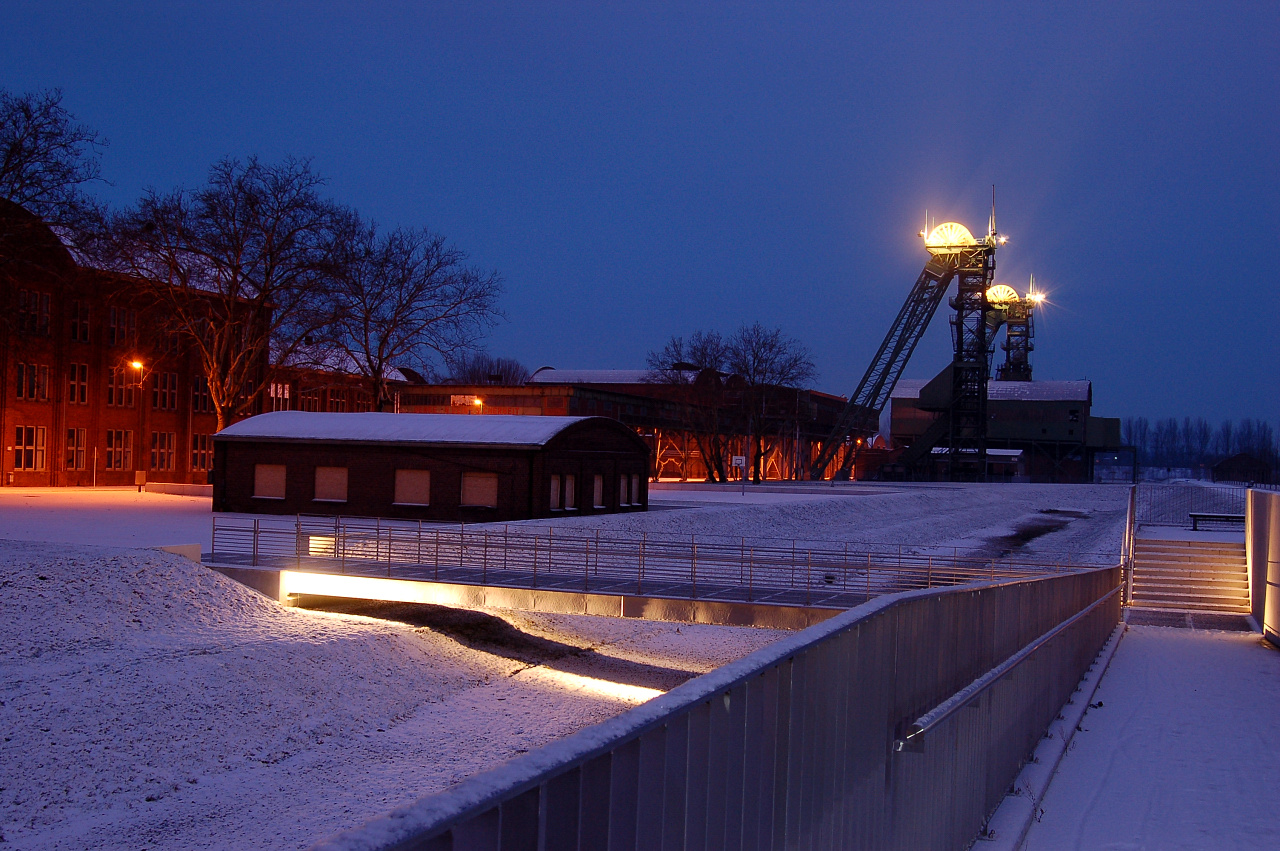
pixel 954 254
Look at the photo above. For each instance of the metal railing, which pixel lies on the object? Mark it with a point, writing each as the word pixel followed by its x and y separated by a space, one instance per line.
pixel 708 567
pixel 794 745
pixel 1173 505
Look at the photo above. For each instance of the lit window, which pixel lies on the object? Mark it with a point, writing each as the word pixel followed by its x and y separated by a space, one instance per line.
pixel 413 487
pixel 268 481
pixel 480 490
pixel 570 493
pixel 555 493
pixel 597 491
pixel 331 484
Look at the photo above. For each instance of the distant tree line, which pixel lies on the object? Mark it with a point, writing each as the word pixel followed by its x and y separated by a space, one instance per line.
pixel 1193 442
pixel 256 265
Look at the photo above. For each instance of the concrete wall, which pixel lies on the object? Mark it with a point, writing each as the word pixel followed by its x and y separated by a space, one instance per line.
pixel 1262 545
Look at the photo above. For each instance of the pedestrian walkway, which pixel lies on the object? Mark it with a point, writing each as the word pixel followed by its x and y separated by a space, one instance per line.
pixel 1178 750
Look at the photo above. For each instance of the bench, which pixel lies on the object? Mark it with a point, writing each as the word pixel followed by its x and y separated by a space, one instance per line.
pixel 1198 517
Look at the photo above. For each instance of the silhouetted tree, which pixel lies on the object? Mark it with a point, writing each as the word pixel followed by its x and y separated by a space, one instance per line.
pixel 47 158
pixel 766 359
pixel 406 298
pixel 482 368
pixel 240 265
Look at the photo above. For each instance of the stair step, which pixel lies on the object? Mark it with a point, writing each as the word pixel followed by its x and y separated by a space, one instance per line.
pixel 1155 581
pixel 1199 607
pixel 1168 572
pixel 1189 569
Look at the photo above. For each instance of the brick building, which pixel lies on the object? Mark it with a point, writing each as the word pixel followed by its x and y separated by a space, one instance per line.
pixel 93 390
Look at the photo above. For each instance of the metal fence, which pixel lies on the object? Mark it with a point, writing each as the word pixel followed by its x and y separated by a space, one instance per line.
pixel 1173 505
pixel 708 567
pixel 898 725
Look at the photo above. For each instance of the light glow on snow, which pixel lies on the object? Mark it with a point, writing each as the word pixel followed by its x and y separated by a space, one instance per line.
pixel 604 688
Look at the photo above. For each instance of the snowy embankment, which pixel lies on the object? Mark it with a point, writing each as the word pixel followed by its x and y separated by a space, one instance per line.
pixel 1068 518
pixel 149 702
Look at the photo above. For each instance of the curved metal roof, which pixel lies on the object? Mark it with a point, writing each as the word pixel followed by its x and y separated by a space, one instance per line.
pixel 448 429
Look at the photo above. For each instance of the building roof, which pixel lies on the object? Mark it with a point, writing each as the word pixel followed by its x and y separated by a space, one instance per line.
pixel 551 375
pixel 446 429
pixel 1004 391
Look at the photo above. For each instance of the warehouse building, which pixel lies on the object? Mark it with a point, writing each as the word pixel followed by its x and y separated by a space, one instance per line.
pixel 436 467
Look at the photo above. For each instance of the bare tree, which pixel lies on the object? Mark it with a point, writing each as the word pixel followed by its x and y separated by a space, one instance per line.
pixel 404 298
pixel 482 368
pixel 695 369
pixel 237 266
pixel 47 158
pixel 766 359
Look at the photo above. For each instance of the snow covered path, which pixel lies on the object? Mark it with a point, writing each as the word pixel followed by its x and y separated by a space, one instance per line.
pixel 1182 753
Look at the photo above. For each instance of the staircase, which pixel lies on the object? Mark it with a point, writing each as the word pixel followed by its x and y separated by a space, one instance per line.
pixel 1200 576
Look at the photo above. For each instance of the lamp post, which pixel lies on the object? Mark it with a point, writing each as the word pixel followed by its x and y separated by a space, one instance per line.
pixel 139 480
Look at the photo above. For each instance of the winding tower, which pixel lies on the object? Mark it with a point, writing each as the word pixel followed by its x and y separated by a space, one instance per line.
pixel 954 254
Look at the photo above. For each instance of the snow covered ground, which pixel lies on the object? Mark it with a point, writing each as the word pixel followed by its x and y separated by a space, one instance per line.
pixel 146 701
pixel 1178 751
pixel 1090 518
pixel 112 517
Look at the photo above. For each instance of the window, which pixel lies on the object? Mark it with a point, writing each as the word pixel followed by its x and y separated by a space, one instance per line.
pixel 278 392
pixel 570 493
pixel 331 484
pixel 28 448
pixel 555 493
pixel 33 382
pixel 162 446
pixel 122 326
pixel 268 481
pixel 75 449
pixel 1073 415
pixel 164 391
pixel 78 384
pixel 635 489
pixel 309 400
pixel 201 402
pixel 33 313
pixel 120 388
pixel 413 487
pixel 597 491
pixel 622 490
pixel 201 452
pixel 338 401
pixel 79 315
pixel 119 449
pixel 480 490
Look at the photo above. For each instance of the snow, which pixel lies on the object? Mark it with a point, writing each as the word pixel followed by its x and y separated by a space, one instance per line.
pixel 1177 751
pixel 1003 391
pixel 113 517
pixel 149 702
pixel 128 675
pixel 551 375
pixel 489 429
pixel 912 515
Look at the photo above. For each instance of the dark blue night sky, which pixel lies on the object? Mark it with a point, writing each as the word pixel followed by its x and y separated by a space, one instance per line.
pixel 645 172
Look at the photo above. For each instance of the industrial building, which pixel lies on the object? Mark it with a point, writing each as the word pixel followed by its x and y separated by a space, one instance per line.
pixel 1037 431
pixel 437 467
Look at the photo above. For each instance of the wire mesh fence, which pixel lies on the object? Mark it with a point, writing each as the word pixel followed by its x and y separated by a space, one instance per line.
pixel 1177 504
pixel 707 567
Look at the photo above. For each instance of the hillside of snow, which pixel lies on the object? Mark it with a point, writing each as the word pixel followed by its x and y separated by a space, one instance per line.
pixel 148 702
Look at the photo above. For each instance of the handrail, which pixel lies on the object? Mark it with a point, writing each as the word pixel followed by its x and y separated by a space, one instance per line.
pixel 914 733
